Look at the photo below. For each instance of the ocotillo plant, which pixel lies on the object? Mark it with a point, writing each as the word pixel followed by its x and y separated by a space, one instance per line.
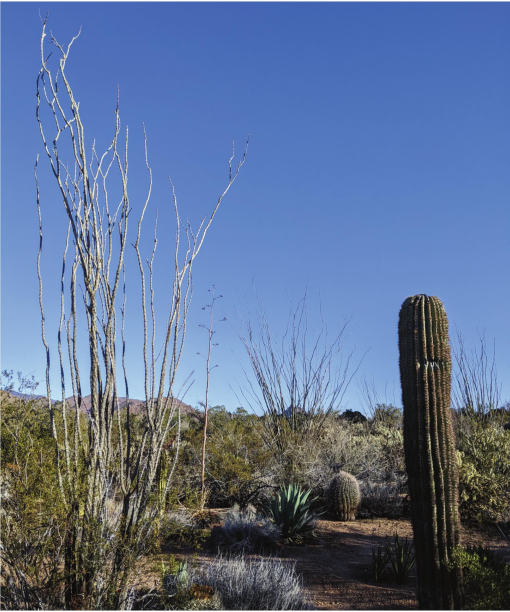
pixel 429 444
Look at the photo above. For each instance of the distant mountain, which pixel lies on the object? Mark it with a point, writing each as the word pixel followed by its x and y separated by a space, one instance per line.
pixel 297 410
pixel 27 396
pixel 136 406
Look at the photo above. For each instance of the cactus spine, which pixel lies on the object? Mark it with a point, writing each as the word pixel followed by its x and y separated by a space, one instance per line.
pixel 344 496
pixel 429 444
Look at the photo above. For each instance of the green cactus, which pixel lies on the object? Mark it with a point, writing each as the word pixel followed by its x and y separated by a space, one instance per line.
pixel 429 445
pixel 343 496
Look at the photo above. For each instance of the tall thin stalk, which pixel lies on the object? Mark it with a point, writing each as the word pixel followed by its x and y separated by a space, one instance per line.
pixel 210 345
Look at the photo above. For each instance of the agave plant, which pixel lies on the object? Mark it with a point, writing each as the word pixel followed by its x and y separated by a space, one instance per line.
pixel 401 558
pixel 290 510
pixel 380 558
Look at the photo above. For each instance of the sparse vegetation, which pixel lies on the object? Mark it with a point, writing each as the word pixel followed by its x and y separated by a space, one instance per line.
pixel 372 450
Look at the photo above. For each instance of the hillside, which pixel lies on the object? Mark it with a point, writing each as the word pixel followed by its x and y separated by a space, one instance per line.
pixel 136 405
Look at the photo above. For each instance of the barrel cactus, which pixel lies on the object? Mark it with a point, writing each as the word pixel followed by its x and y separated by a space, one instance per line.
pixel 343 496
pixel 429 445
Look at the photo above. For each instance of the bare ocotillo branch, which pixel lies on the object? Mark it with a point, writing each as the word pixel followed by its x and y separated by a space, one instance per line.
pixel 110 462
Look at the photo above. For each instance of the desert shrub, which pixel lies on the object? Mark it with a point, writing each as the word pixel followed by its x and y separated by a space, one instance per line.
pixel 387 415
pixel 290 511
pixel 31 513
pixel 486 578
pixel 484 469
pixel 382 499
pixel 238 464
pixel 245 532
pixel 373 453
pixel 255 584
pixel 184 528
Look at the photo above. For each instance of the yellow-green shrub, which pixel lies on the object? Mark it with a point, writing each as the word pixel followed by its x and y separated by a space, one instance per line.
pixel 483 458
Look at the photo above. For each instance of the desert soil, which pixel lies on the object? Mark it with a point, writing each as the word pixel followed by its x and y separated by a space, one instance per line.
pixel 337 569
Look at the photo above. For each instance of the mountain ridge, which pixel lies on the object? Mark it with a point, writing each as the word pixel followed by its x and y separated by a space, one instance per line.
pixel 136 405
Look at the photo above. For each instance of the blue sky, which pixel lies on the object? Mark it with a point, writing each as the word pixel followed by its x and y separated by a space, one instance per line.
pixel 378 167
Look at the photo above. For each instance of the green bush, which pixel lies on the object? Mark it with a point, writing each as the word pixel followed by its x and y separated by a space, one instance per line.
pixel 32 514
pixel 238 465
pixel 486 578
pixel 484 469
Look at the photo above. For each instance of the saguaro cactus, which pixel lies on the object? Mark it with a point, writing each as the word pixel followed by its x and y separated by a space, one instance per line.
pixel 429 444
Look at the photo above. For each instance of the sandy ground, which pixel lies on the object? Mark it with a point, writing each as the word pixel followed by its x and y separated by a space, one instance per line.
pixel 337 569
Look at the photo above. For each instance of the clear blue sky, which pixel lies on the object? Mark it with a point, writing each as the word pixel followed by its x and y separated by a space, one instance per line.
pixel 378 168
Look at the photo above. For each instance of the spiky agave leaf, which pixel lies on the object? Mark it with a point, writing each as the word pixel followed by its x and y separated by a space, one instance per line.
pixel 290 510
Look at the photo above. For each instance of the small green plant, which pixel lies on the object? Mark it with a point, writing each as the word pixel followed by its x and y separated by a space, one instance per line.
pixel 401 558
pixel 486 578
pixel 181 592
pixel 176 571
pixel 343 496
pixel 290 511
pixel 394 560
pixel 379 563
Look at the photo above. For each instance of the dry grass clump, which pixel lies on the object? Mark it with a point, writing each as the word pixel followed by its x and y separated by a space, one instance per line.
pixel 245 532
pixel 255 584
